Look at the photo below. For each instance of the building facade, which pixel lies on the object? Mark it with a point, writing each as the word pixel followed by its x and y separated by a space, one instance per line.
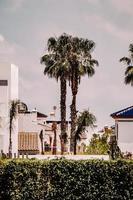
pixel 30 125
pixel 124 128
pixel 8 92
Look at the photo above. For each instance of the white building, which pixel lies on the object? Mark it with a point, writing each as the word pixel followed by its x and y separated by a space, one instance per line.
pixel 30 124
pixel 124 128
pixel 8 92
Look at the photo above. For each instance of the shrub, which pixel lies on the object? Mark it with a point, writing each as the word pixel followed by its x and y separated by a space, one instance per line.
pixel 99 143
pixel 66 180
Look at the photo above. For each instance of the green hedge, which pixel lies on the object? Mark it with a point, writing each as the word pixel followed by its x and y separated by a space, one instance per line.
pixel 65 179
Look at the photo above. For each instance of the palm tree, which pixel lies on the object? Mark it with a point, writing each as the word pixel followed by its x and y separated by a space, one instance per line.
pixel 129 63
pixel 80 61
pixel 85 119
pixel 57 67
pixel 12 116
pixel 69 58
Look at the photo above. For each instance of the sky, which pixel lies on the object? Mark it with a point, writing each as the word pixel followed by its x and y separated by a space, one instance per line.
pixel 26 25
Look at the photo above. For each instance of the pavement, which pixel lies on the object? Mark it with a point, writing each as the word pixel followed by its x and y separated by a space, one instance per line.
pixel 70 157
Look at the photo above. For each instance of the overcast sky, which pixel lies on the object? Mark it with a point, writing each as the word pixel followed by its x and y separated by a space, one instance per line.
pixel 25 26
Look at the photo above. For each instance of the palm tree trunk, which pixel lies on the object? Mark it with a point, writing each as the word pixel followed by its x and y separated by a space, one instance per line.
pixel 42 149
pixel 75 146
pixel 74 88
pixel 54 143
pixel 10 139
pixel 41 141
pixel 62 146
pixel 50 142
pixel 73 122
pixel 63 137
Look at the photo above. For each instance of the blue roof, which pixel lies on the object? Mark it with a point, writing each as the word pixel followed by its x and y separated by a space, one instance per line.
pixel 125 113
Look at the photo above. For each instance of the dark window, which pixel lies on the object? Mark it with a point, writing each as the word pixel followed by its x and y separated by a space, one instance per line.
pixel 3 82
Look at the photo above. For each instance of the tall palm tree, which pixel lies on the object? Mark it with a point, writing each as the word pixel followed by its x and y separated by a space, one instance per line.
pixel 69 58
pixel 80 63
pixel 12 116
pixel 57 67
pixel 129 63
pixel 85 119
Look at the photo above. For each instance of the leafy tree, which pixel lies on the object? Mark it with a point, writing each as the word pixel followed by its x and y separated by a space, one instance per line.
pixel 12 116
pixel 99 143
pixel 84 120
pixel 57 67
pixel 129 63
pixel 114 150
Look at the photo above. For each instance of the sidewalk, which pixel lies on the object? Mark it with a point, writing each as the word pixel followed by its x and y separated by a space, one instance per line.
pixel 71 157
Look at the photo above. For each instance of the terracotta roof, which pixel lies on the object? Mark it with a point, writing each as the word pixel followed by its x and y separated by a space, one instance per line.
pixel 124 113
pixel 27 141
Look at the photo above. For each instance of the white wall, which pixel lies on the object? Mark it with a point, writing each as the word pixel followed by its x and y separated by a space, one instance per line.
pixel 27 122
pixel 8 72
pixel 14 82
pixel 125 135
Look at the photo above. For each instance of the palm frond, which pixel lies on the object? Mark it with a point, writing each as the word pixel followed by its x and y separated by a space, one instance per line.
pixel 52 44
pixel 129 70
pixel 125 60
pixel 90 71
pixel 129 75
pixel 43 59
pixel 129 78
pixel 91 45
pixel 13 112
pixel 85 119
pixel 94 62
pixel 131 48
pixel 71 51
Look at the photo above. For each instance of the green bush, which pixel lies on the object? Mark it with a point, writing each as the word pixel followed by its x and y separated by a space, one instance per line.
pixel 66 180
pixel 99 144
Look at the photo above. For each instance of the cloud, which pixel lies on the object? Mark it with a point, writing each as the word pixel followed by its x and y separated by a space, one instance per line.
pixel 109 27
pixel 93 1
pixel 2 39
pixel 123 6
pixel 17 3
pixel 7 49
pixel 119 33
pixel 10 52
pixel 13 5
